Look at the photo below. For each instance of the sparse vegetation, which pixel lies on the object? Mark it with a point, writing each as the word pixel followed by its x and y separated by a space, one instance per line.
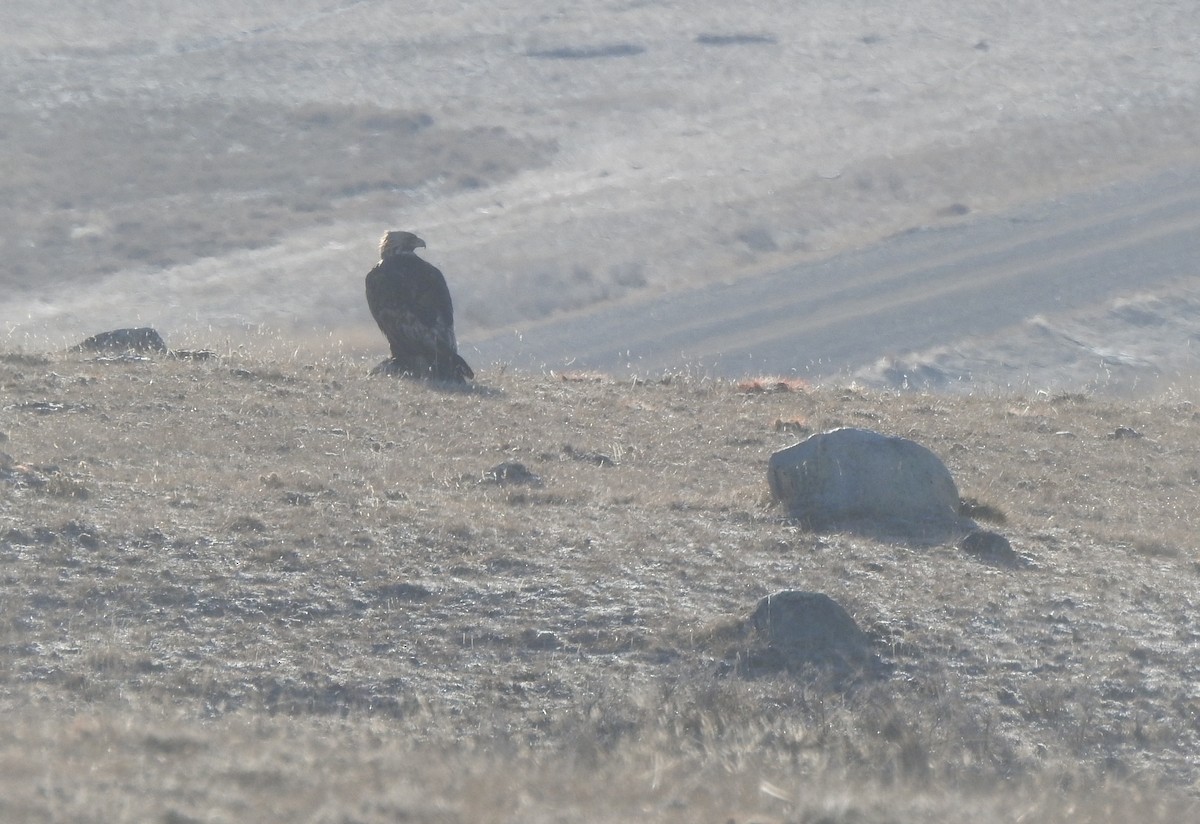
pixel 161 185
pixel 249 587
pixel 179 168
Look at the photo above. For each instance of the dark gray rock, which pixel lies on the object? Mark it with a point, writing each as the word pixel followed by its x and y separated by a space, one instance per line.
pixel 511 472
pixel 797 632
pixel 991 547
pixel 539 639
pixel 141 339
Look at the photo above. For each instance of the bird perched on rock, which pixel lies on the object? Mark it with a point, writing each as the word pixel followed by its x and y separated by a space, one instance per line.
pixel 411 303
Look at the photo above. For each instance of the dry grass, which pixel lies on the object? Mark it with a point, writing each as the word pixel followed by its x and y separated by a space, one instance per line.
pixel 785 383
pixel 255 588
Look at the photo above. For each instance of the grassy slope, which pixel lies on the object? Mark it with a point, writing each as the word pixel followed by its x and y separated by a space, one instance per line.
pixel 251 588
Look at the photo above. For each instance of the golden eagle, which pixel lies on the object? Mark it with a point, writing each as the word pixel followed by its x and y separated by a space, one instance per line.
pixel 410 301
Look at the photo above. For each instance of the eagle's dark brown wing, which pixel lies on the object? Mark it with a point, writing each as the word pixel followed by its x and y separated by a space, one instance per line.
pixel 410 301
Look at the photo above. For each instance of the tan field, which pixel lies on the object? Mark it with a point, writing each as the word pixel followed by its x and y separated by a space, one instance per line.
pixel 257 588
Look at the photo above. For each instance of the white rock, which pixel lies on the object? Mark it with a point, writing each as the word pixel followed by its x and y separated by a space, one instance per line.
pixel 849 477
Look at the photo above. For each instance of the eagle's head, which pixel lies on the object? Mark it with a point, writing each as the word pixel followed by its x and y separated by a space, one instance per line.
pixel 395 243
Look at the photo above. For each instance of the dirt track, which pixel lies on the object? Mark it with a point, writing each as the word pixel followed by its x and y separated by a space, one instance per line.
pixel 919 290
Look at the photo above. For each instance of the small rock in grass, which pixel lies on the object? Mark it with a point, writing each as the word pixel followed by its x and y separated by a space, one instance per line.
pixel 991 547
pixel 139 339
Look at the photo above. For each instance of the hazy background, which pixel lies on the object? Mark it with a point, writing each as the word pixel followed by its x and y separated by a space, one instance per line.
pixel 224 170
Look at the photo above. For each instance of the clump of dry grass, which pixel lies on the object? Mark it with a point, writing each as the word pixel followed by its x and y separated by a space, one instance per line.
pixel 284 589
pixel 750 386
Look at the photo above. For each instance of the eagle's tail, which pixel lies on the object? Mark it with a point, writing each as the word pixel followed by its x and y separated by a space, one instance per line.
pixel 452 368
pixel 439 363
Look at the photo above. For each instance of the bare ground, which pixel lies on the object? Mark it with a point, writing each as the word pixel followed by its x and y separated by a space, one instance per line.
pixel 230 169
pixel 254 587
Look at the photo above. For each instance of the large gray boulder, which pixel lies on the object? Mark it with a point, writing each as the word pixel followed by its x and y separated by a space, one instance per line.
pixel 856 477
